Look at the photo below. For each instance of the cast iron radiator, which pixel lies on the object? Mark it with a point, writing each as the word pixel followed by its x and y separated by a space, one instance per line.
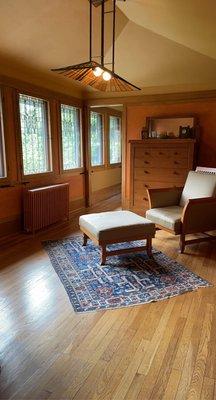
pixel 45 206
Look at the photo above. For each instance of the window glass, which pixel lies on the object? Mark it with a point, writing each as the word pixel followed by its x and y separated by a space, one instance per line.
pixel 36 151
pixel 96 133
pixel 114 139
pixel 2 147
pixel 71 137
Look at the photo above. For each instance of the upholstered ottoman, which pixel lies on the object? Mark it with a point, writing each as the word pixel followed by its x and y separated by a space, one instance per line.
pixel 117 227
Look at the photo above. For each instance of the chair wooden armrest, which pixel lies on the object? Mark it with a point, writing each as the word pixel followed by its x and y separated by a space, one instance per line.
pixel 199 215
pixel 164 197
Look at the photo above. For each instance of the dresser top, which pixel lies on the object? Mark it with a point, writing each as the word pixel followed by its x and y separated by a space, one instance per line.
pixel 151 141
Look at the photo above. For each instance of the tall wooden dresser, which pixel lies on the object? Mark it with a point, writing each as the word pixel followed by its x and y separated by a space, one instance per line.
pixel 157 163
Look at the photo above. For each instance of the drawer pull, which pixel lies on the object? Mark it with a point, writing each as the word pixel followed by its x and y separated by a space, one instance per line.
pixel 146 186
pixel 147 153
pixel 176 153
pixel 160 153
pixel 146 162
pixel 145 198
pixel 175 173
pixel 176 162
pixel 146 172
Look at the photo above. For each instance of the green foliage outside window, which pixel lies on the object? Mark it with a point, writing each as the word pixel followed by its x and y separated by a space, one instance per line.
pixel 2 148
pixel 96 133
pixel 71 137
pixel 34 135
pixel 115 139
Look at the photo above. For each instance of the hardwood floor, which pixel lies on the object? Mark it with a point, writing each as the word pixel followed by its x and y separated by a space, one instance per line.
pixel 163 350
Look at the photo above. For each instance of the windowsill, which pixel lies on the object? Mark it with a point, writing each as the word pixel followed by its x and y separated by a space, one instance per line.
pixel 35 177
pixel 115 165
pixel 5 183
pixel 70 172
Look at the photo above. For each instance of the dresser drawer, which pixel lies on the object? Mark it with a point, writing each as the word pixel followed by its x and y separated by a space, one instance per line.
pixel 157 174
pixel 168 162
pixel 141 186
pixel 153 162
pixel 180 153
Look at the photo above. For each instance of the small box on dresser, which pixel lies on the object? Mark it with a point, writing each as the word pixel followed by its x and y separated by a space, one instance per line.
pixel 157 163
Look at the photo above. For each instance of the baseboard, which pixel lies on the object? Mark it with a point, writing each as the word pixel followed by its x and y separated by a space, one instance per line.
pixel 105 193
pixel 9 227
pixel 77 205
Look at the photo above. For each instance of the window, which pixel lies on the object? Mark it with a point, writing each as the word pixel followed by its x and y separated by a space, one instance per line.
pixel 36 149
pixel 114 139
pixel 96 133
pixel 71 137
pixel 2 148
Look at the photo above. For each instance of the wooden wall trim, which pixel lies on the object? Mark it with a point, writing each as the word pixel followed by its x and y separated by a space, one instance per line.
pixel 39 91
pixel 154 98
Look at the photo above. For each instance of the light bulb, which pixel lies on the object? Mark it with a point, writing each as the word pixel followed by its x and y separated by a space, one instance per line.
pixel 107 76
pixel 97 71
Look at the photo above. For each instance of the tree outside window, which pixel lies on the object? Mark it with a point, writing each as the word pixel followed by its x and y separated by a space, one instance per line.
pixel 96 134
pixel 114 139
pixel 36 152
pixel 3 172
pixel 71 137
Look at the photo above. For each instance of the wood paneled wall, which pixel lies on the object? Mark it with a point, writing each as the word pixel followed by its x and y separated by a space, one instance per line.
pixel 12 187
pixel 204 110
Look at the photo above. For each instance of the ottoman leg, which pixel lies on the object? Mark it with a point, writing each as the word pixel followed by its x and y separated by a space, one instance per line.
pixel 149 247
pixel 85 238
pixel 103 254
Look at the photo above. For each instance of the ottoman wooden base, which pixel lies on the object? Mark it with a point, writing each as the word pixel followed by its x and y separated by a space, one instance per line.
pixel 132 236
pixel 105 253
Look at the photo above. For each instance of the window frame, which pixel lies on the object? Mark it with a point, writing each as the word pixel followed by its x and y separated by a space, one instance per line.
pixel 5 179
pixel 36 176
pixel 104 144
pixel 72 170
pixel 117 164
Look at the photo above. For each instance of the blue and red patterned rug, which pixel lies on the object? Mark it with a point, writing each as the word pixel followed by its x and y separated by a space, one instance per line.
pixel 124 281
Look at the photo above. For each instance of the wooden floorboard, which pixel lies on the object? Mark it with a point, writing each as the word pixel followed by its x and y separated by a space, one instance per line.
pixel 164 350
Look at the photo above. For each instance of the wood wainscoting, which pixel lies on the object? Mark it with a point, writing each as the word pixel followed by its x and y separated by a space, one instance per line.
pixel 105 193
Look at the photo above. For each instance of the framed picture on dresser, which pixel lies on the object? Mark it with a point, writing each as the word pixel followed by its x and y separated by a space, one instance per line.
pixel 172 127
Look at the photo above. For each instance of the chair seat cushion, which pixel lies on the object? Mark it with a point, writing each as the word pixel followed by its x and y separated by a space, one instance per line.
pixel 114 225
pixel 168 217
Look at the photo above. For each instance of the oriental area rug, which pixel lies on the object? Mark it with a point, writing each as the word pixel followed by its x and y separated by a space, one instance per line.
pixel 124 281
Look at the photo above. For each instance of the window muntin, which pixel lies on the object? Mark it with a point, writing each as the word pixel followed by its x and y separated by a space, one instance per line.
pixel 71 137
pixel 3 171
pixel 114 140
pixel 96 139
pixel 35 138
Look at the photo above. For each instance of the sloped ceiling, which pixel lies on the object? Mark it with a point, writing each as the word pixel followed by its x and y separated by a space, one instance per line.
pixel 37 35
pixel 187 22
pixel 162 45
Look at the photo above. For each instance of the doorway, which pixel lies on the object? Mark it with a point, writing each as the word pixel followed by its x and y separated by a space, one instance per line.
pixel 105 152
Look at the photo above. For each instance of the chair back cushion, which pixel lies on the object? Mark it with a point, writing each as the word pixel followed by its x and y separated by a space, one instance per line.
pixel 198 185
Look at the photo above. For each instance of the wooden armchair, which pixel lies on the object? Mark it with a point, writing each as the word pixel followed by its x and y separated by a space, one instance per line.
pixel 187 210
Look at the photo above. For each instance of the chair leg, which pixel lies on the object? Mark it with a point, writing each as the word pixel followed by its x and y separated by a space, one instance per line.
pixel 103 254
pixel 85 239
pixel 182 243
pixel 149 247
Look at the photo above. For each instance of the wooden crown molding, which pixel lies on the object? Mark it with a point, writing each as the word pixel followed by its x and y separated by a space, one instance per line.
pixel 154 98
pixel 39 91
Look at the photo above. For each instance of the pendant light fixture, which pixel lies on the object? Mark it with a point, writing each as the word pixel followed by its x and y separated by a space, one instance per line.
pixel 94 73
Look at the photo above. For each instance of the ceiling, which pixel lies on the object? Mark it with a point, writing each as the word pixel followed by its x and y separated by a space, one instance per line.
pixel 162 46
